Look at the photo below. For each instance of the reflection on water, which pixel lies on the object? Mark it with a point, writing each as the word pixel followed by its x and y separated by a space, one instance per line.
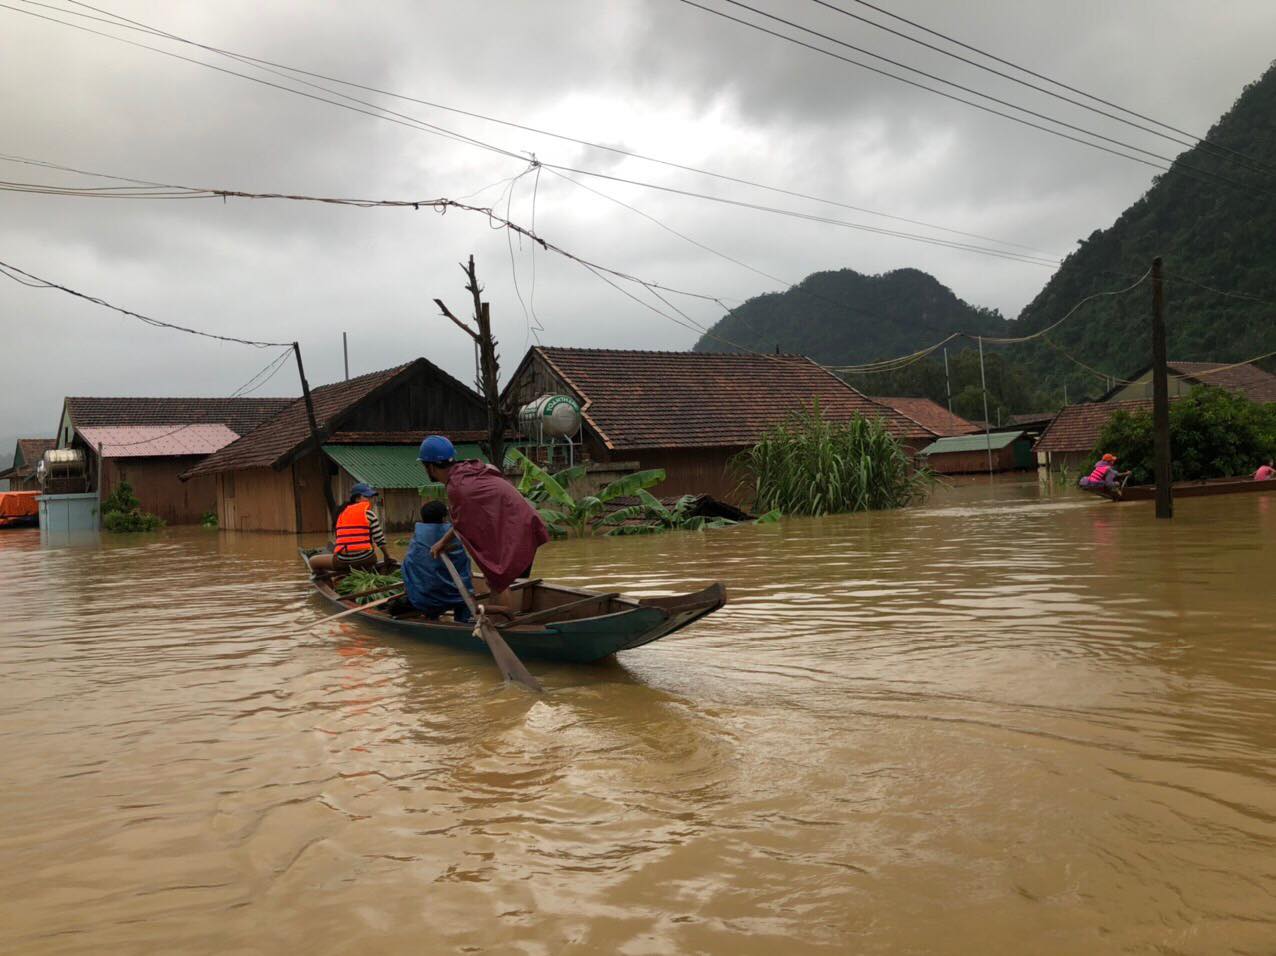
pixel 998 723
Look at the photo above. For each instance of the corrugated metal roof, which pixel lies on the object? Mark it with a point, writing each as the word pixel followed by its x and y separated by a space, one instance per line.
pixel 391 466
pixel 150 441
pixel 971 443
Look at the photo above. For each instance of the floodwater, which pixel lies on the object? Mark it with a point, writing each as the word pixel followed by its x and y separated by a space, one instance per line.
pixel 1000 723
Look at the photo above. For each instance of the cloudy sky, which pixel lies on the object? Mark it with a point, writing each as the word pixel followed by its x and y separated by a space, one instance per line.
pixel 657 77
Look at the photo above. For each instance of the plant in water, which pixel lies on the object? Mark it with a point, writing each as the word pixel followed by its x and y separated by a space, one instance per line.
pixel 812 466
pixel 652 515
pixel 122 512
pixel 568 516
pixel 208 519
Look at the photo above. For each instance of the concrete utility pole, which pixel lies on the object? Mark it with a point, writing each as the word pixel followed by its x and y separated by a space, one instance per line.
pixel 948 382
pixel 983 387
pixel 1160 399
pixel 315 439
pixel 345 354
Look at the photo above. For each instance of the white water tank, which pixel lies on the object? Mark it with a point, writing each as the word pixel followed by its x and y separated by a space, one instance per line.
pixel 550 416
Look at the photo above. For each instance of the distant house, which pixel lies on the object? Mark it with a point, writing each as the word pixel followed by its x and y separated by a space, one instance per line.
pixel 149 442
pixel 971 454
pixel 1068 441
pixel 26 456
pixel 1245 379
pixel 691 412
pixel 930 415
pixel 371 426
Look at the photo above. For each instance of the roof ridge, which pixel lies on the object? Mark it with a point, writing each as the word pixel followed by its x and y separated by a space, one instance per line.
pixel 682 353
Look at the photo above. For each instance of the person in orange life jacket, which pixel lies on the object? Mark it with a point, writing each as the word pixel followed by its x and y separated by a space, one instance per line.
pixel 358 533
pixel 498 526
pixel 1104 474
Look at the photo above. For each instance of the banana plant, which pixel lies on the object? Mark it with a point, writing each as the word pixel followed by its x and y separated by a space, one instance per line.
pixel 568 516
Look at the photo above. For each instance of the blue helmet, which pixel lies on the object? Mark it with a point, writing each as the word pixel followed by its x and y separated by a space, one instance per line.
pixel 436 450
pixel 364 490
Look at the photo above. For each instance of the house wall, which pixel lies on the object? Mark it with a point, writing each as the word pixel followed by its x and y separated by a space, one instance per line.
pixel 419 403
pixel 971 462
pixel 156 485
pixel 691 471
pixel 1141 388
pixel 256 499
pixel 1074 462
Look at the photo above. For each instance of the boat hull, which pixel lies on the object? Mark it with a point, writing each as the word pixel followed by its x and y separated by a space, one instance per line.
pixel 581 640
pixel 1201 489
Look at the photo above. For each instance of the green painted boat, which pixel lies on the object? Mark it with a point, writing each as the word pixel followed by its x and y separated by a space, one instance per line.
pixel 589 627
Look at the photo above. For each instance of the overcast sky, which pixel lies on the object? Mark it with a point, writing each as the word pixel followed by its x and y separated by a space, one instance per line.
pixel 657 77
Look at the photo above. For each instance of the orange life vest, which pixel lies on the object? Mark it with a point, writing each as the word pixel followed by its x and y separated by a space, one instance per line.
pixel 354 531
pixel 1100 470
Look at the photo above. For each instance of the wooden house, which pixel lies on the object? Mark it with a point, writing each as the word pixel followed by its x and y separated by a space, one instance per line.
pixel 1009 450
pixel 150 442
pixel 1068 443
pixel 26 456
pixel 272 479
pixel 691 412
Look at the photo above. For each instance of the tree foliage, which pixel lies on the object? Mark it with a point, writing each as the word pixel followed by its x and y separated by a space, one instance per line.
pixel 812 466
pixel 1214 433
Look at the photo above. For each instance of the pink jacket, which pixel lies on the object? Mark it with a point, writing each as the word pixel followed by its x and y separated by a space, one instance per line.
pixel 497 525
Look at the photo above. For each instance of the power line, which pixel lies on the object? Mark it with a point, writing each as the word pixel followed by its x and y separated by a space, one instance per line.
pixel 35 282
pixel 1041 76
pixel 930 89
pixel 244 58
pixel 1189 142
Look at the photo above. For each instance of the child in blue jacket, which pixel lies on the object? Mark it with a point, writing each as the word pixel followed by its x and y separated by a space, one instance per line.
pixel 427 584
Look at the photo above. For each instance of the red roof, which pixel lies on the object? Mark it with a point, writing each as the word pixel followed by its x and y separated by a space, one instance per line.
pixel 929 414
pixel 1077 427
pixel 1250 380
pixel 240 415
pixel 635 399
pixel 158 441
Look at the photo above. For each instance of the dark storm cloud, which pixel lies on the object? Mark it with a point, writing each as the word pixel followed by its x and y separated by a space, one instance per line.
pixel 657 77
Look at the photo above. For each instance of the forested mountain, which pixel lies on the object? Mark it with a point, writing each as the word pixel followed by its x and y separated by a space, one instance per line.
pixel 1210 231
pixel 844 317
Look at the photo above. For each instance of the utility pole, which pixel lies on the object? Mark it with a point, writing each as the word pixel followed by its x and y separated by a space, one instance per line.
pixel 489 365
pixel 345 354
pixel 948 383
pixel 315 439
pixel 983 387
pixel 1160 399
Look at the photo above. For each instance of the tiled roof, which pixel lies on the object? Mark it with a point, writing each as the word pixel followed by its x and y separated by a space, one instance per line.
pixel 1077 427
pixel 275 442
pixel 638 399
pixel 158 441
pixel 930 414
pixel 33 449
pixel 240 415
pixel 1250 380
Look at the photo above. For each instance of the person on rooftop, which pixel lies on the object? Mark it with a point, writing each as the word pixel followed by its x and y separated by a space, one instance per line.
pixel 498 526
pixel 358 533
pixel 1104 476
pixel 1266 471
pixel 427 585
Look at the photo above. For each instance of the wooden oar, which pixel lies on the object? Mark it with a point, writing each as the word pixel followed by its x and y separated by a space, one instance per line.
pixel 510 666
pixel 356 609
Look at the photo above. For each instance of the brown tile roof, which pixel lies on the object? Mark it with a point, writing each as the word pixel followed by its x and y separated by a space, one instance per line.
pixel 929 414
pixel 240 415
pixel 275 442
pixel 31 450
pixel 636 399
pixel 1249 380
pixel 1077 427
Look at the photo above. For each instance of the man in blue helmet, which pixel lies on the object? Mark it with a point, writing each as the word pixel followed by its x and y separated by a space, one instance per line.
pixel 498 526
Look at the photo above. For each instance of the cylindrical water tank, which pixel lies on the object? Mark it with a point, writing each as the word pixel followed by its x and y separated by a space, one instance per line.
pixel 62 463
pixel 550 416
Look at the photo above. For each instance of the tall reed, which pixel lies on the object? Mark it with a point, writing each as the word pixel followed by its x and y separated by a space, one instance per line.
pixel 812 466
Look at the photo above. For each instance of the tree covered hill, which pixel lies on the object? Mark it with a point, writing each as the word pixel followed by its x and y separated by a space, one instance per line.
pixel 1220 234
pixel 844 317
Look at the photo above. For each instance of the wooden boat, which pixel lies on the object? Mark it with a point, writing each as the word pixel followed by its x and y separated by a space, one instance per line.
pixel 1201 489
pixel 548 621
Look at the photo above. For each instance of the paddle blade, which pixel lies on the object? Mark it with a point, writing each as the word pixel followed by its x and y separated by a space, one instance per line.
pixel 506 659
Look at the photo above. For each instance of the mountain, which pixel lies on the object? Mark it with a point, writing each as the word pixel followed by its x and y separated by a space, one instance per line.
pixel 844 317
pixel 1208 232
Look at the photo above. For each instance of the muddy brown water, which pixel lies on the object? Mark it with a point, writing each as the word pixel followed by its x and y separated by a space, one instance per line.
pixel 999 723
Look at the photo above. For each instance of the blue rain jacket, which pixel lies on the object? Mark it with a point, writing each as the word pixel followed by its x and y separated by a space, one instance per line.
pixel 426 582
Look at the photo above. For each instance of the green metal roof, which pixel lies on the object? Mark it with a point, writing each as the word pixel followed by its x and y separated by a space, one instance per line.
pixel 994 440
pixel 391 466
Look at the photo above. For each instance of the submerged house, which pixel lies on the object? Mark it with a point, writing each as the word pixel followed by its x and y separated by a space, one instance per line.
pixel 1245 379
pixel 1068 441
pixel 272 479
pixel 26 456
pixel 1008 450
pixel 691 412
pixel 150 442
